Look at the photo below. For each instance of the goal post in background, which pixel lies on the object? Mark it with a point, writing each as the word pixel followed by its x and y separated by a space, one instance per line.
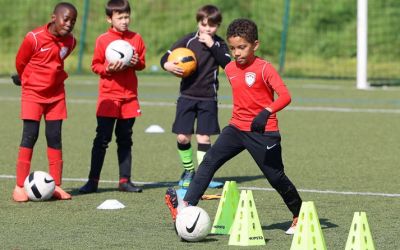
pixel 362 44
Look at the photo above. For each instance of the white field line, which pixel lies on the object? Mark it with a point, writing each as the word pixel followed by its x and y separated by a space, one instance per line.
pixel 229 106
pixel 167 184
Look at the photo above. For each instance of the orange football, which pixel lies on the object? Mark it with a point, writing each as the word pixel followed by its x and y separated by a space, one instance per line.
pixel 186 58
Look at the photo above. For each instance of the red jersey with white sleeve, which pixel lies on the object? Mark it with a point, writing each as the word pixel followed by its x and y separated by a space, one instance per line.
pixel 253 88
pixel 120 85
pixel 40 64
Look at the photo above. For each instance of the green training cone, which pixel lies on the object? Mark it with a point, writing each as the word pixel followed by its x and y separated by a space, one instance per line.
pixel 226 209
pixel 246 229
pixel 308 234
pixel 360 237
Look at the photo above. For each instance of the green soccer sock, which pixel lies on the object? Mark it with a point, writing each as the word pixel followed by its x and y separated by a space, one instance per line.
pixel 185 154
pixel 201 152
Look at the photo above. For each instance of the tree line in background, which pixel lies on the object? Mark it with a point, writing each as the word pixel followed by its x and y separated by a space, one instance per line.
pixel 320 40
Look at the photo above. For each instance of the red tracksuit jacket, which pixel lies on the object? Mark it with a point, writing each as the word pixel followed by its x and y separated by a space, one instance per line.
pixel 40 64
pixel 118 85
pixel 253 89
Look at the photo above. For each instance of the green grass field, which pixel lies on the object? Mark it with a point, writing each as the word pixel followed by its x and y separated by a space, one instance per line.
pixel 340 147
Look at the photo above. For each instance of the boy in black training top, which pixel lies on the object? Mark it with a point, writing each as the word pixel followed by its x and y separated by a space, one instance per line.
pixel 198 92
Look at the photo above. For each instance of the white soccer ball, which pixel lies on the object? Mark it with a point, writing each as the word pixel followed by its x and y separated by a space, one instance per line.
pixel 193 223
pixel 39 186
pixel 119 50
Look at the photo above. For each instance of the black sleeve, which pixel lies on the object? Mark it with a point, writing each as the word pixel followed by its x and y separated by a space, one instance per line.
pixel 180 43
pixel 221 53
pixel 164 59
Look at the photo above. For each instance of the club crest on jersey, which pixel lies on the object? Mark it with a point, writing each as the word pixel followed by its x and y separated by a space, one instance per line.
pixel 63 52
pixel 250 78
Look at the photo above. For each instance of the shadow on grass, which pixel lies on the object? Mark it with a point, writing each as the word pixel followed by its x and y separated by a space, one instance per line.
pixel 150 185
pixel 325 224
pixel 75 192
pixel 240 179
pixel 208 239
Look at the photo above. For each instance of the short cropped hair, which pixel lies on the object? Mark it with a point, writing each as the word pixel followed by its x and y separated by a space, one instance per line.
pixel 211 12
pixel 119 6
pixel 64 5
pixel 244 28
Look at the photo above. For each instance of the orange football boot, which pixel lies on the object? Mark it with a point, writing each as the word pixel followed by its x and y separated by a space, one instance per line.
pixel 171 199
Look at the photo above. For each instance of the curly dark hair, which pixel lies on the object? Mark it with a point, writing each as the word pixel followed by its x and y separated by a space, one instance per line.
pixel 244 28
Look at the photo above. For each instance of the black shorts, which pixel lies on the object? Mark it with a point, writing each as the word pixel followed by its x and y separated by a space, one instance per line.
pixel 188 110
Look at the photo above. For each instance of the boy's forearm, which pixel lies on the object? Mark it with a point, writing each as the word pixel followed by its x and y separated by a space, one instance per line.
pixel 280 103
pixel 141 65
pixel 221 55
pixel 99 69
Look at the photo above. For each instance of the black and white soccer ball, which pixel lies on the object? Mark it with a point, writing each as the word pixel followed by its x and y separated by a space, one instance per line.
pixel 119 50
pixel 39 186
pixel 193 223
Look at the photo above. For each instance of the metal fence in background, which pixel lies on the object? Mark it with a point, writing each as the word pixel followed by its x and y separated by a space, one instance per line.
pixel 303 38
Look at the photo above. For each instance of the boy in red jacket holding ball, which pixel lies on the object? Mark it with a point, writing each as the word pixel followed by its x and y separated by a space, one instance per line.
pixel 117 104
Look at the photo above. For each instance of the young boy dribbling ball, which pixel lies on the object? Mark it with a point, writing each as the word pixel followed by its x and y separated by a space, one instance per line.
pixel 198 92
pixel 253 125
pixel 40 67
pixel 118 103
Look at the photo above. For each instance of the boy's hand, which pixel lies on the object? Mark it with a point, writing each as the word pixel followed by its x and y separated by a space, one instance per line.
pixel 259 122
pixel 16 80
pixel 173 68
pixel 134 60
pixel 206 39
pixel 115 67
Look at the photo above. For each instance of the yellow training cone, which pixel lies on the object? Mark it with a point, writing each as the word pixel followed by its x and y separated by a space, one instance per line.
pixel 308 234
pixel 226 209
pixel 360 237
pixel 246 229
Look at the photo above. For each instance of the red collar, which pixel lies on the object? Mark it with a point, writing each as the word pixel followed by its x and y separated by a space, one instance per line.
pixel 118 33
pixel 54 37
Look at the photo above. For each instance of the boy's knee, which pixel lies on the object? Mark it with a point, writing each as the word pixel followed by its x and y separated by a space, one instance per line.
pixel 204 139
pixel 54 139
pixel 183 139
pixel 28 140
pixel 101 141
pixel 124 142
pixel 278 181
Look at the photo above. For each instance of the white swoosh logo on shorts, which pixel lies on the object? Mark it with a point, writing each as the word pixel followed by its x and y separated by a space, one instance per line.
pixel 44 49
pixel 269 147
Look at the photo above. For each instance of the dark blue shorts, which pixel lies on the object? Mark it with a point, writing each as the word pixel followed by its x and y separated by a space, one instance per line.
pixel 189 110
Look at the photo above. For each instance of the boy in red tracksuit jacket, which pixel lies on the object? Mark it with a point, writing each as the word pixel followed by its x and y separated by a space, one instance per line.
pixel 117 103
pixel 253 125
pixel 40 66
